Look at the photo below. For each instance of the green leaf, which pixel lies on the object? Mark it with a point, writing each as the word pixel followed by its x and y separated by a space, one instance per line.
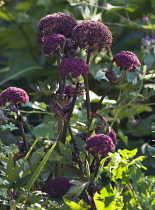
pixel 142 128
pixel 130 111
pixel 76 190
pixel 65 151
pixel 6 16
pixel 80 144
pixel 105 200
pixel 24 6
pixel 19 73
pixel 128 153
pixel 72 205
pixel 132 77
pixel 38 171
pixel 130 8
pixel 151 150
pixel 10 164
pixel 148 60
pixel 45 130
pixel 14 173
pixel 123 137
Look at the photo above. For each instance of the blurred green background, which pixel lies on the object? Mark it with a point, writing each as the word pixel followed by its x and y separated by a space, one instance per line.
pixel 22 62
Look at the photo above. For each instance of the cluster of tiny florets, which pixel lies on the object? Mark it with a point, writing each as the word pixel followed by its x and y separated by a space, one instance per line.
pixel 14 95
pixel 92 36
pixel 57 23
pixel 58 187
pixel 100 143
pixel 52 44
pixel 73 66
pixel 127 60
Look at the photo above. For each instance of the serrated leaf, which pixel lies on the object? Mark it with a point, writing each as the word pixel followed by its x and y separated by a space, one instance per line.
pixel 128 153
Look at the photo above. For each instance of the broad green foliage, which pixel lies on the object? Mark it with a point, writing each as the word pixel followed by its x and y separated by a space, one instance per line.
pixel 46 137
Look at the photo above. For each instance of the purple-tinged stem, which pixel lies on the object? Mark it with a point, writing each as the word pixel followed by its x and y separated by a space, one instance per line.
pixel 87 88
pixel 112 84
pixel 61 93
pixel 68 119
pixel 76 150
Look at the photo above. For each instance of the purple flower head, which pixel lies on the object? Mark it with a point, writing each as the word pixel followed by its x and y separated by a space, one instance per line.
pixel 52 44
pixel 112 135
pixel 58 187
pixel 14 95
pixel 152 41
pixel 99 143
pixel 145 18
pixel 57 23
pixel 127 60
pixel 92 36
pixel 73 66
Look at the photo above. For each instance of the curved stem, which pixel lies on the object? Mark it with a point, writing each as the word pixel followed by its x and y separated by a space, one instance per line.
pixel 108 89
pixel 103 96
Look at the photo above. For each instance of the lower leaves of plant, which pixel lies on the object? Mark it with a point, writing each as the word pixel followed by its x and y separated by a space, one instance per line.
pixel 62 146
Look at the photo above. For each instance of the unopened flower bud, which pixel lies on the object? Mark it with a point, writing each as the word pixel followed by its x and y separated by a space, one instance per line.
pixel 111 76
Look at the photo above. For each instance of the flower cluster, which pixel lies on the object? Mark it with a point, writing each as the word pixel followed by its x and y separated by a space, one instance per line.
pixel 73 66
pixel 127 60
pixel 52 44
pixel 92 36
pixel 58 187
pixel 14 95
pixel 57 23
pixel 99 143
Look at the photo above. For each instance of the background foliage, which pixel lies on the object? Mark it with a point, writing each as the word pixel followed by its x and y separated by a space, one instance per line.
pixel 129 107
